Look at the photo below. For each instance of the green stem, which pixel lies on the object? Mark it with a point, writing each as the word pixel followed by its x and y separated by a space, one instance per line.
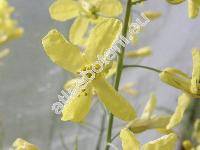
pixel 145 67
pixel 119 69
pixel 115 136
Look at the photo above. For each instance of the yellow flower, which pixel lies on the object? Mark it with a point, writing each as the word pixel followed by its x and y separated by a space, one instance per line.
pixel 21 144
pixel 182 81
pixel 8 26
pixel 129 142
pixel 86 12
pixel 69 57
pixel 147 120
pixel 193 8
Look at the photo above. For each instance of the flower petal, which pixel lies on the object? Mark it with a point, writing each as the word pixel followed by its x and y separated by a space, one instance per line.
pixel 129 141
pixel 152 15
pixel 183 103
pixel 176 78
pixel 76 109
pixel 20 144
pixel 110 8
pixel 195 82
pixel 156 122
pixel 63 10
pixel 62 52
pixel 149 108
pixel 175 2
pixel 193 8
pixel 167 142
pixel 78 30
pixel 69 84
pixel 102 37
pixel 119 107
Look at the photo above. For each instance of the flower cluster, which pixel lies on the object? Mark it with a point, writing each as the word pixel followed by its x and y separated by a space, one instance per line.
pixel 90 53
pixel 91 71
pixel 8 26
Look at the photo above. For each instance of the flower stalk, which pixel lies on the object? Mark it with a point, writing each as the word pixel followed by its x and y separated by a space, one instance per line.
pixel 145 67
pixel 119 69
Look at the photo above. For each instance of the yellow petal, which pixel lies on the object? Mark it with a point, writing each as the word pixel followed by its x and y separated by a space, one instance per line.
pixel 119 106
pixel 77 108
pixel 142 52
pixel 129 141
pixel 165 131
pixel 110 8
pixel 150 107
pixel 195 82
pixel 63 10
pixel 176 78
pixel 21 144
pixel 156 122
pixel 183 103
pixel 167 142
pixel 193 8
pixel 4 53
pixel 69 84
pixel 152 15
pixel 102 38
pixel 78 31
pixel 62 52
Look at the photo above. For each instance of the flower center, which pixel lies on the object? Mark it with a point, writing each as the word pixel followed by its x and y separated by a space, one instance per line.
pixel 89 9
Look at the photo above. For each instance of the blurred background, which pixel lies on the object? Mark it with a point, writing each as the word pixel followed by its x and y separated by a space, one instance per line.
pixel 30 82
